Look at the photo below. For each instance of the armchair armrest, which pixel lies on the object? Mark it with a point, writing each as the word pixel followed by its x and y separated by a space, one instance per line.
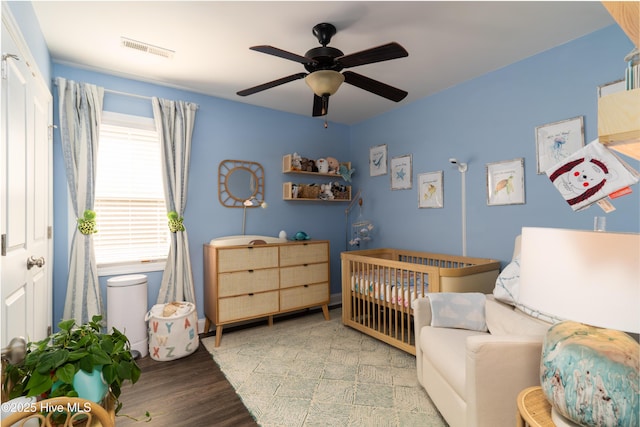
pixel 421 318
pixel 498 368
pixel 421 313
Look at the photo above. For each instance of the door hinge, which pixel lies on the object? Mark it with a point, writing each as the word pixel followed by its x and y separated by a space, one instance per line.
pixel 3 245
pixel 49 330
pixel 4 62
pixel 51 128
pixel 49 232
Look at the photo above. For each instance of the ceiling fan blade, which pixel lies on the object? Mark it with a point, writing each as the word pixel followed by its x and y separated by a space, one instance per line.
pixel 374 86
pixel 269 85
pixel 270 50
pixel 320 105
pixel 376 54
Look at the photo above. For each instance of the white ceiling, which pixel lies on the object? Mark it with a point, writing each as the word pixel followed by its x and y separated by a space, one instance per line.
pixel 448 43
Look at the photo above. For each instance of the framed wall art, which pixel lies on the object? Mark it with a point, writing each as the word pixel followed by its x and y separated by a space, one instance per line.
pixel 378 160
pixel 401 173
pixel 555 141
pixel 430 190
pixel 505 182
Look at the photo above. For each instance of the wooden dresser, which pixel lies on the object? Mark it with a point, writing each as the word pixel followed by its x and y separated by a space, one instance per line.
pixel 248 282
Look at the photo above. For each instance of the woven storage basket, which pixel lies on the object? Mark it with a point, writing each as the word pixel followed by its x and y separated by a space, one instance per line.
pixel 341 194
pixel 308 191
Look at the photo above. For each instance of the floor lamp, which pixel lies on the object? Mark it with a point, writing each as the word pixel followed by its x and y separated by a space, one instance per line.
pixel 462 168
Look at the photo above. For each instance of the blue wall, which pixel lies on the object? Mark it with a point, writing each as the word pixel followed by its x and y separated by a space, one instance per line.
pixel 485 120
pixel 223 130
pixel 489 119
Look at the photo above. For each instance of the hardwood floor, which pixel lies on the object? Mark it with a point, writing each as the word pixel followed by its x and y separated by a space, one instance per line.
pixel 191 391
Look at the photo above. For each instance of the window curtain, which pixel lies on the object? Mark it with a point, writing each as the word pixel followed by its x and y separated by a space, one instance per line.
pixel 174 121
pixel 80 108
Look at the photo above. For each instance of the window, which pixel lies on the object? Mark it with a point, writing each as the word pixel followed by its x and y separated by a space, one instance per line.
pixel 131 212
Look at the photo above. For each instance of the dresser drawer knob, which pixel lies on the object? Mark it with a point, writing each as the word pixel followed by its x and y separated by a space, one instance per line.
pixel 250 271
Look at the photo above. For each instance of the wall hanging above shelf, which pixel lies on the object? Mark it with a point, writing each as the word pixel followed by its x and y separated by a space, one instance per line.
pixel 326 166
pixel 326 192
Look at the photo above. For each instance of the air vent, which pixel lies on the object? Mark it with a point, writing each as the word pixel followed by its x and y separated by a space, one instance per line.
pixel 146 47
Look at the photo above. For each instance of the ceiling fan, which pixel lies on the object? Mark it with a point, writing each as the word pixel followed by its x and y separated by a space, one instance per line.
pixel 324 65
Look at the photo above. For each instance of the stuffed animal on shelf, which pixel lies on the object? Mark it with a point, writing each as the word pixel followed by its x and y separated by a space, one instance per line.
pixel 345 172
pixel 175 222
pixel 308 165
pixel 326 193
pixel 323 165
pixel 296 162
pixel 334 166
pixel 87 224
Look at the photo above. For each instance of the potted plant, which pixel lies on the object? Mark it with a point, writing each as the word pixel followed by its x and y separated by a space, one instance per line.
pixel 75 361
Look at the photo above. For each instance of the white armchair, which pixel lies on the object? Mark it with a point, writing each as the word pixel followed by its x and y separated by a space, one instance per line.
pixel 474 375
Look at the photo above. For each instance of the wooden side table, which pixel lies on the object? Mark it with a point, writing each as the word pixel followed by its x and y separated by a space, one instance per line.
pixel 533 408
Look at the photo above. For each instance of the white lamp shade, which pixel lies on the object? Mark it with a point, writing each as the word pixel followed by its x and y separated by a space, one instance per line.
pixel 324 82
pixel 586 276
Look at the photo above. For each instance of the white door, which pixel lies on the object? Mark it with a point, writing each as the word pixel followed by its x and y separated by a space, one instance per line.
pixel 26 195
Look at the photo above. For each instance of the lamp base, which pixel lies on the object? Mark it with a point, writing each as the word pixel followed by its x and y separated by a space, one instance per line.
pixel 561 421
pixel 589 374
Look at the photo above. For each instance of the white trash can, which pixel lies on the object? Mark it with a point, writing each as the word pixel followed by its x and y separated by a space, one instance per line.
pixel 126 309
pixel 175 335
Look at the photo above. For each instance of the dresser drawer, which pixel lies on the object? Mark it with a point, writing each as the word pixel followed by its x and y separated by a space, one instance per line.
pixel 304 275
pixel 305 253
pixel 247 258
pixel 245 282
pixel 304 296
pixel 247 306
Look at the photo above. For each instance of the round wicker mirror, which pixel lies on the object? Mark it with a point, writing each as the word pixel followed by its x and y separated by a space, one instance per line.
pixel 240 180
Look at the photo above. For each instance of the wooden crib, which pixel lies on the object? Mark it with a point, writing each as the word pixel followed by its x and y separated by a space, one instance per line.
pixel 378 286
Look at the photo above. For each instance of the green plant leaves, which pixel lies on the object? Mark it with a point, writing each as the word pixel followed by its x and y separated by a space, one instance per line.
pixel 50 361
pixel 66 373
pixel 38 384
pixel 51 364
pixel 66 325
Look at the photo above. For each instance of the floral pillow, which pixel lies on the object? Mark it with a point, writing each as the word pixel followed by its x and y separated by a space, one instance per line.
pixel 458 310
pixel 508 284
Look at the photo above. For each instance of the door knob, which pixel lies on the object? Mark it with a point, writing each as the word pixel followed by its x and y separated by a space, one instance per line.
pixel 37 262
pixel 15 352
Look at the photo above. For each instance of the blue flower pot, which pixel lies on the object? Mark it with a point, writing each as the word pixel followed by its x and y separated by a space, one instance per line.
pixel 90 386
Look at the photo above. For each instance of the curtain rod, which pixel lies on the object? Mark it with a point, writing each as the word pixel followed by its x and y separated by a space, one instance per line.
pixel 132 95
pixel 117 92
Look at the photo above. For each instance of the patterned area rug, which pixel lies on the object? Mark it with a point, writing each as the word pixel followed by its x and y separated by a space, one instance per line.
pixel 307 371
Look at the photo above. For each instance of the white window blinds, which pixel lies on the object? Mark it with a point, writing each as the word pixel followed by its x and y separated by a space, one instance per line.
pixel 131 213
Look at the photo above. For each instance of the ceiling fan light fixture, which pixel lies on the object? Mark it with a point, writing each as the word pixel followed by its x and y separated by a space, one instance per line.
pixel 324 82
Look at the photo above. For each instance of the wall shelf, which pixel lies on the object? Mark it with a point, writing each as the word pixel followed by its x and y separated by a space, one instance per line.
pixel 619 113
pixel 619 122
pixel 287 169
pixel 310 192
pixel 287 194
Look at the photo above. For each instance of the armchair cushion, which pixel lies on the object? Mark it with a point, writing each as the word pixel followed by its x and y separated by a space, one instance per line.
pixel 458 310
pixel 508 283
pixel 503 319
